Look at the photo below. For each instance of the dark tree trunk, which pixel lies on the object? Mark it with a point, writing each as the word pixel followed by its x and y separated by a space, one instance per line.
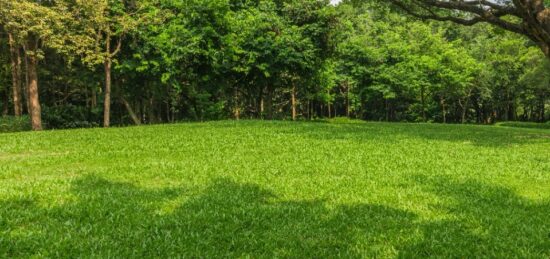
pixel 5 102
pixel 387 104
pixel 16 76
pixel 542 108
pixel 269 103
pixel 107 94
pixel 26 87
pixel 348 108
pixel 93 102
pixel 444 110
pixel 152 118
pixel 309 110
pixel 168 112
pixel 293 101
pixel 423 100
pixel 236 108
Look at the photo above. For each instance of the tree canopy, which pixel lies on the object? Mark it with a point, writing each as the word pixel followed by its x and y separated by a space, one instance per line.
pixel 103 62
pixel 527 17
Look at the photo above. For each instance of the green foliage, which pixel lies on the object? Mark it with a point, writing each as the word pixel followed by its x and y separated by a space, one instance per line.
pixel 14 124
pixel 276 189
pixel 214 59
pixel 70 117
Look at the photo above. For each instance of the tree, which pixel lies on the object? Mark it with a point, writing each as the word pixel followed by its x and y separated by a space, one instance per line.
pixel 536 80
pixel 164 61
pixel 34 26
pixel 4 71
pixel 106 22
pixel 527 17
pixel 15 60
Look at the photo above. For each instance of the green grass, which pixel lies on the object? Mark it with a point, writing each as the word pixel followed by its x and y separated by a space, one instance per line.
pixel 276 189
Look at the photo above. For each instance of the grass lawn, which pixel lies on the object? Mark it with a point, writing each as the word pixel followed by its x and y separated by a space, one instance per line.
pixel 276 189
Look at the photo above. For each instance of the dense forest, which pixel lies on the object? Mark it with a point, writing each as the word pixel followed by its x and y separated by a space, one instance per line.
pixel 93 63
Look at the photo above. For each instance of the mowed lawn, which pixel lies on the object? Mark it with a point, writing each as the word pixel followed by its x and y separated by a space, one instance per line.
pixel 276 189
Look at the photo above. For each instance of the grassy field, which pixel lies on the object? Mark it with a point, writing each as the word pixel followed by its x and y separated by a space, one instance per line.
pixel 276 189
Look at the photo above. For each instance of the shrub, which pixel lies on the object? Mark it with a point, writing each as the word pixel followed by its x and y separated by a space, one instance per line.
pixel 14 124
pixel 69 117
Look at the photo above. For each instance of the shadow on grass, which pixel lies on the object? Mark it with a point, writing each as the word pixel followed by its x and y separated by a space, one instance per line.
pixel 485 220
pixel 478 135
pixel 228 219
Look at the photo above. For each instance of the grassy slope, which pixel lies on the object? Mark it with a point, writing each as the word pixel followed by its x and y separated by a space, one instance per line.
pixel 265 189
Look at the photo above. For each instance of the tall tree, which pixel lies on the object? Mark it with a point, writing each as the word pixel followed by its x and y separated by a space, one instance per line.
pixel 34 26
pixel 15 58
pixel 106 22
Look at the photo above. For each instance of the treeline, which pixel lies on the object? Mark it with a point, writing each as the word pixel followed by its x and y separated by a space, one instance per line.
pixel 84 63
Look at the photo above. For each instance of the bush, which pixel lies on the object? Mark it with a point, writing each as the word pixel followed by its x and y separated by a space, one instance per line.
pixel 14 124
pixel 70 117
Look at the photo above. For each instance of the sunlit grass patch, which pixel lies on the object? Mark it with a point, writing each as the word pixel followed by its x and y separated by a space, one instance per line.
pixel 276 189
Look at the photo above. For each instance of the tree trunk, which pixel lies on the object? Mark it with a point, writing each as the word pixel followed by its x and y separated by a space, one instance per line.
pixel 107 96
pixel 464 107
pixel 466 104
pixel 293 101
pixel 513 111
pixel 309 110
pixel 260 108
pixel 142 110
pixel 16 76
pixel 269 103
pixel 94 98
pixel 463 114
pixel 151 110
pixel 348 110
pixel 26 88
pixel 542 108
pixel 237 108
pixel 423 101
pixel 34 100
pixel 444 110
pixel 5 102
pixel 387 104
pixel 168 112
pixel 131 112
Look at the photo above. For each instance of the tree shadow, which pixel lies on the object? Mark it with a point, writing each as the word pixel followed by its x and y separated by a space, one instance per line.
pixel 483 220
pixel 478 135
pixel 230 219
pixel 226 219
